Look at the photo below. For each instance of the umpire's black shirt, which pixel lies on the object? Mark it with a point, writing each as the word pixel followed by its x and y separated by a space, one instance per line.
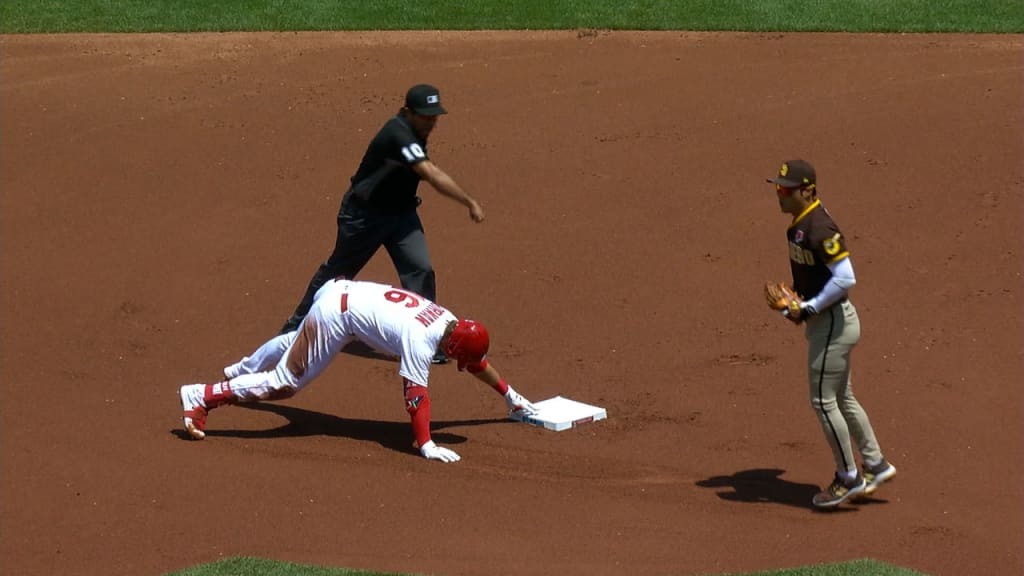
pixel 385 181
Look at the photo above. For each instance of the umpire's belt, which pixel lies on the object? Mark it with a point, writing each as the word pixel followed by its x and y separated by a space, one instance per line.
pixel 355 205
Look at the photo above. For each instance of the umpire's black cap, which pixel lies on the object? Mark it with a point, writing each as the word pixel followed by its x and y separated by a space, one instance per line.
pixel 424 100
pixel 795 174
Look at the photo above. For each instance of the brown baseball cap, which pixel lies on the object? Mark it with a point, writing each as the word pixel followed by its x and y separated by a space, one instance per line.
pixel 424 100
pixel 795 174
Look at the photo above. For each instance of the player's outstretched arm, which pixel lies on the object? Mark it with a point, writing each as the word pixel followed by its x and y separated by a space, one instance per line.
pixel 489 375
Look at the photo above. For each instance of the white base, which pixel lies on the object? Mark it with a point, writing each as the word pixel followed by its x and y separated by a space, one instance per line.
pixel 560 413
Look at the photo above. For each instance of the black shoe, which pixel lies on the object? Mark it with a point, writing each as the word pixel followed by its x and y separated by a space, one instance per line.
pixel 439 358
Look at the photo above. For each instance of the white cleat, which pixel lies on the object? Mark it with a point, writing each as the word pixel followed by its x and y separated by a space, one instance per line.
pixel 193 410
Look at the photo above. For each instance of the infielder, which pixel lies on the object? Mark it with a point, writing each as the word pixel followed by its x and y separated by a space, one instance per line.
pixel 392 320
pixel 822 276
pixel 379 208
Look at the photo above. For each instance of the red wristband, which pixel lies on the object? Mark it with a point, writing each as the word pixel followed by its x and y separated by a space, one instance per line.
pixel 502 387
pixel 417 404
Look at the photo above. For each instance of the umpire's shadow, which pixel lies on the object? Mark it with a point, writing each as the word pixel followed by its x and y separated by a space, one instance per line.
pixel 762 485
pixel 391 435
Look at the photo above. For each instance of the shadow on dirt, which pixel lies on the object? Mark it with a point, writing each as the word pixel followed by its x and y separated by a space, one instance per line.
pixel 357 348
pixel 301 422
pixel 762 485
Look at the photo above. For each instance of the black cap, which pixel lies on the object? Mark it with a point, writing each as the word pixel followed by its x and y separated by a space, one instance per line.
pixel 795 174
pixel 424 100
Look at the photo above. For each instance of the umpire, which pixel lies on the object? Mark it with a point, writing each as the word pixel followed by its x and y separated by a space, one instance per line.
pixel 379 208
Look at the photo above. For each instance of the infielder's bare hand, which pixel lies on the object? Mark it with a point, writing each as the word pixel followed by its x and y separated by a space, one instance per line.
pixel 517 403
pixel 432 451
pixel 476 212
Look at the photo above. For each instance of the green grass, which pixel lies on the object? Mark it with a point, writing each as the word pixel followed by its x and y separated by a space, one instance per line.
pixel 258 567
pixel 39 16
pixel 865 567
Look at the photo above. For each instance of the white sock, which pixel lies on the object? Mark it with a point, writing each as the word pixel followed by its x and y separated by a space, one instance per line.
pixel 848 476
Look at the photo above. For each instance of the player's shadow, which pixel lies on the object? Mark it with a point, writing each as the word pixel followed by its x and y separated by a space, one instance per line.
pixel 302 422
pixel 358 348
pixel 762 485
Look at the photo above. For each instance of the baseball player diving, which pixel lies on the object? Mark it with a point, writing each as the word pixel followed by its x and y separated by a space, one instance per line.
pixel 389 319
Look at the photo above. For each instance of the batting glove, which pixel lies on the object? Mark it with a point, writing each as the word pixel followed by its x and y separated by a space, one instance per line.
pixel 432 451
pixel 517 403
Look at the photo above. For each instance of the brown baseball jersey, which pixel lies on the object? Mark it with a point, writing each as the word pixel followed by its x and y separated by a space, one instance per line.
pixel 814 242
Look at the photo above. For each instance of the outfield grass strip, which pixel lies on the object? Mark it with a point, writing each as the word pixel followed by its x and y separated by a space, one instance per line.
pixel 63 16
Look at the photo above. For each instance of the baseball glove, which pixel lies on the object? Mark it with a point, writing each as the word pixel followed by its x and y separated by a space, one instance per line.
pixel 781 297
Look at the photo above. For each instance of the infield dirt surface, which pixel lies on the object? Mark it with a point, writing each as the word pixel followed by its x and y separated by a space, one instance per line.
pixel 165 199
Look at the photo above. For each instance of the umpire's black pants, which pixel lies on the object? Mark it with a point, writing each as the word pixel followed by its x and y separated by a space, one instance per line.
pixel 361 232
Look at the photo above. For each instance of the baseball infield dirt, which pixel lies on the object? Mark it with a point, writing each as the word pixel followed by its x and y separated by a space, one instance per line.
pixel 165 199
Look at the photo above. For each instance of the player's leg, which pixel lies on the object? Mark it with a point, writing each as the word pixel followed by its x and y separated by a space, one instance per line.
pixel 306 357
pixel 318 340
pixel 859 424
pixel 828 362
pixel 824 375
pixel 876 468
pixel 310 350
pixel 264 358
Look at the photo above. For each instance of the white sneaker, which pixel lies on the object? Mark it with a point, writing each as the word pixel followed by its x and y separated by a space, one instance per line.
pixel 193 410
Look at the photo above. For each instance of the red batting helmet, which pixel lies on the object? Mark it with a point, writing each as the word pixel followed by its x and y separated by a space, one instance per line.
pixel 467 343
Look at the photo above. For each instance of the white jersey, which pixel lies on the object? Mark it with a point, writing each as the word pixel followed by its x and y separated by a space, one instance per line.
pixel 392 320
